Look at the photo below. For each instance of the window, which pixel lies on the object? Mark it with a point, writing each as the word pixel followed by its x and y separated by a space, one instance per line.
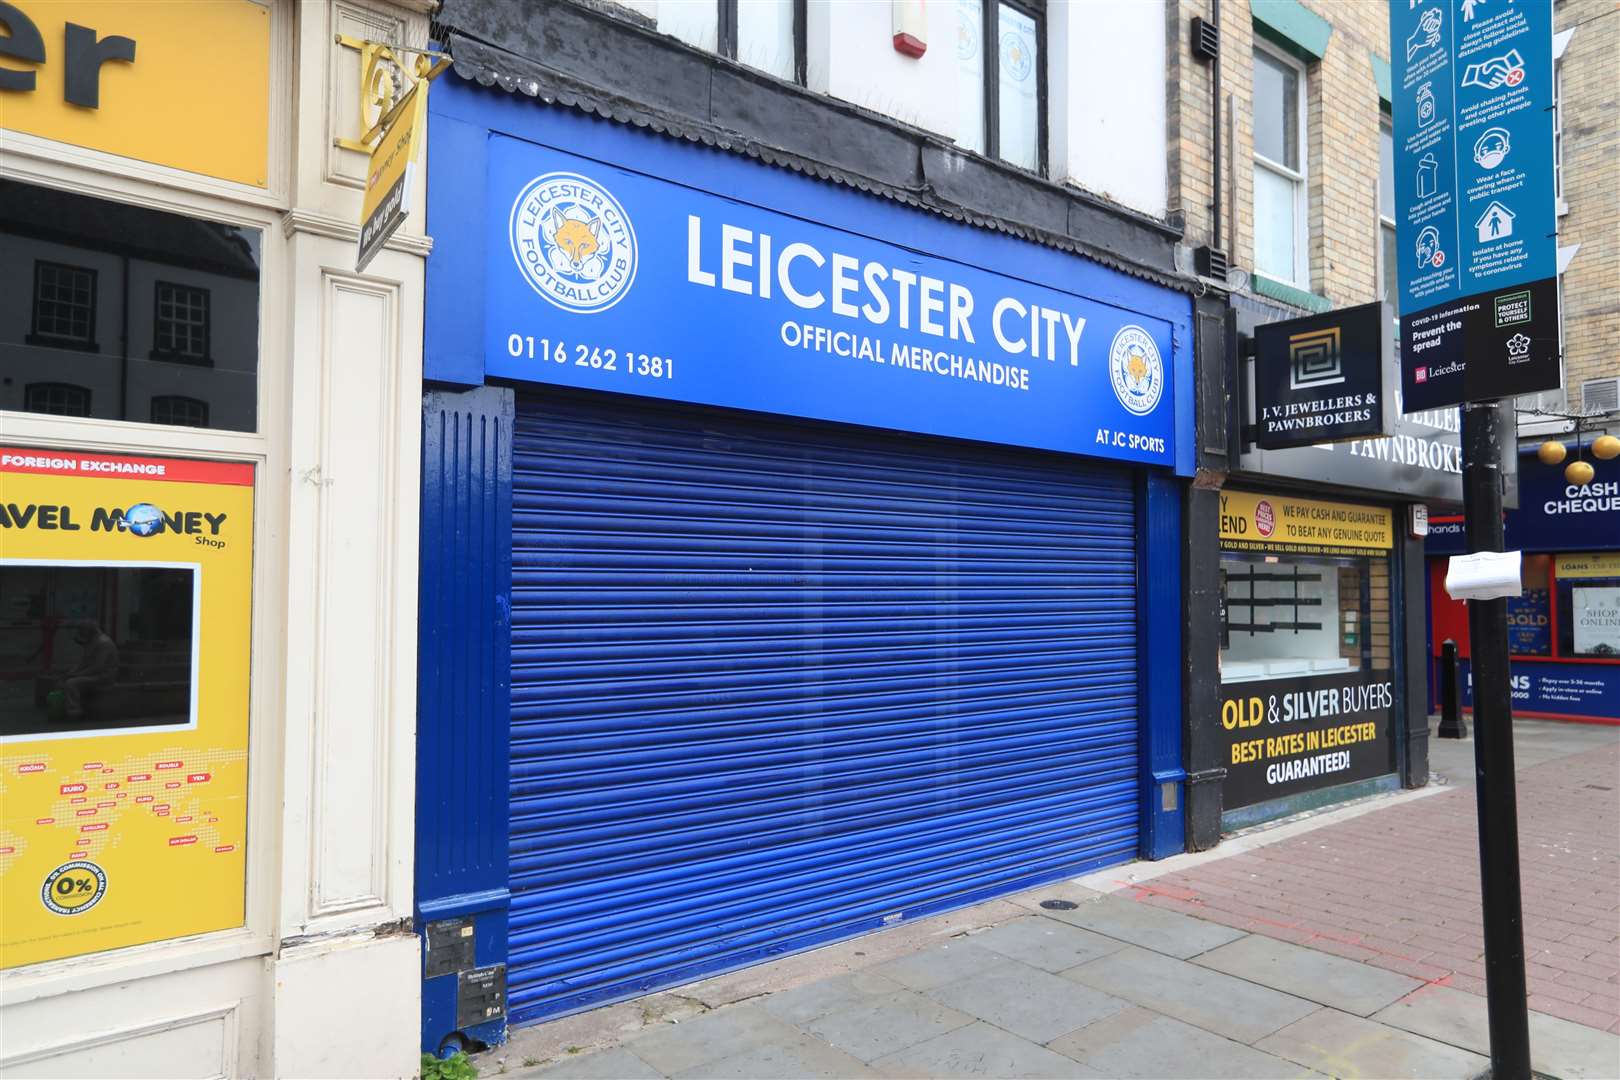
pixel 1529 614
pixel 1298 615
pixel 1389 284
pixel 172 298
pixel 179 410
pixel 180 328
pixel 57 399
pixel 97 648
pixel 64 306
pixel 1588 605
pixel 1281 234
pixel 1002 89
pixel 765 34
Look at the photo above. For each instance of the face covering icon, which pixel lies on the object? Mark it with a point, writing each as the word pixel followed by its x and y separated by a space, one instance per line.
pixel 1491 149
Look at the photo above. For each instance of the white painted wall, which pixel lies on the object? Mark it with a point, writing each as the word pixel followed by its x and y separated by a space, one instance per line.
pixel 1107 100
pixel 852 56
pixel 1106 80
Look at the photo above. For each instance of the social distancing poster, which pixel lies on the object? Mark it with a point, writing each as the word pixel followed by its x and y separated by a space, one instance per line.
pixel 125 626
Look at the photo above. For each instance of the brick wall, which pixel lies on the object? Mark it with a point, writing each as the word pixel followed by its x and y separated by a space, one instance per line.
pixel 1591 108
pixel 1342 131
pixel 1343 158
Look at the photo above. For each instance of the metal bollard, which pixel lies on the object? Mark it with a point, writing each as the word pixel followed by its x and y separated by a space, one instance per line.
pixel 1451 721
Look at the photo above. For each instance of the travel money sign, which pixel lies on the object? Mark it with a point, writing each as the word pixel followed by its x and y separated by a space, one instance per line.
pixel 1475 221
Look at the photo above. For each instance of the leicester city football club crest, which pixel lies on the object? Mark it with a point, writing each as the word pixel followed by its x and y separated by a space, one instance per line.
pixel 1136 370
pixel 573 242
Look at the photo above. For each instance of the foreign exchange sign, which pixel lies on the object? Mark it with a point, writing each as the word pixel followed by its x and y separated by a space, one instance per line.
pixel 1475 221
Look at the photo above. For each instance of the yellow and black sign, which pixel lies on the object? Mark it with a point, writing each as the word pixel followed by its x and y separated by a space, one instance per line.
pixel 389 174
pixel 1595 564
pixel 126 584
pixel 1282 523
pixel 171 82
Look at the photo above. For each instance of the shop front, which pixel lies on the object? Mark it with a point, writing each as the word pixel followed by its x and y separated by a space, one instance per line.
pixel 827 551
pixel 170 769
pixel 1307 658
pixel 1564 628
pixel 1308 643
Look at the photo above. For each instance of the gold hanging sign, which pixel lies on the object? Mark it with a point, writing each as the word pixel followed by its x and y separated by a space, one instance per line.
pixel 393 110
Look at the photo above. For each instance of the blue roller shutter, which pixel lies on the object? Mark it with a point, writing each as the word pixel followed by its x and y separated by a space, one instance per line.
pixel 777 684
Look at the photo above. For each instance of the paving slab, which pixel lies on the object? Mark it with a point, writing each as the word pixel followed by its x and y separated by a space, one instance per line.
pixel 1352 1047
pixel 980 1049
pixel 1027 1001
pixel 1048 944
pixel 956 959
pixel 1141 1043
pixel 1558 1047
pixel 800 1057
pixel 1150 927
pixel 615 1063
pixel 883 1025
pixel 820 998
pixel 1330 980
pixel 1062 892
pixel 674 1048
pixel 1208 999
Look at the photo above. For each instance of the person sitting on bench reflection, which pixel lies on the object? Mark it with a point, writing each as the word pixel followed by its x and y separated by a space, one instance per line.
pixel 97 667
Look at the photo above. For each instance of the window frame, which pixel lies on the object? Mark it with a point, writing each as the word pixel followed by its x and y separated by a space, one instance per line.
pixel 1299 178
pixel 48 340
pixel 726 37
pixel 990 43
pixel 1386 215
pixel 55 384
pixel 206 359
pixel 1559 201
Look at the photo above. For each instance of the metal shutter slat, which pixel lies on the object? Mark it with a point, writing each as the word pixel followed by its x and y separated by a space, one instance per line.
pixel 776 684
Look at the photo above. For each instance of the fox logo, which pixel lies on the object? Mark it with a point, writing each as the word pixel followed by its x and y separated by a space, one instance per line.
pixel 573 242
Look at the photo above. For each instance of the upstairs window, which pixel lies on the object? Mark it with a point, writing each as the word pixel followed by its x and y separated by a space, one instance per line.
pixel 1281 231
pixel 180 328
pixel 1389 285
pixel 765 34
pixel 56 399
pixel 179 410
pixel 64 306
pixel 1002 88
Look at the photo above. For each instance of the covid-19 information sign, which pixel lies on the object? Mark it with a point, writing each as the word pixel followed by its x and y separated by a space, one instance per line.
pixel 1475 215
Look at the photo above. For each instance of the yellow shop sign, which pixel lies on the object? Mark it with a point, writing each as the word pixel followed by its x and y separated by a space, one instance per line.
pixel 1596 564
pixel 1282 523
pixel 171 82
pixel 127 587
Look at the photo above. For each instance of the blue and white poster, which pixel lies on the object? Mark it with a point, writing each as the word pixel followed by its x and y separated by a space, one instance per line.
pixel 604 277
pixel 1475 213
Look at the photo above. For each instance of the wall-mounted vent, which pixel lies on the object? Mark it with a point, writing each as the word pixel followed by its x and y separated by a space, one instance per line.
pixel 1210 263
pixel 1600 395
pixel 1206 39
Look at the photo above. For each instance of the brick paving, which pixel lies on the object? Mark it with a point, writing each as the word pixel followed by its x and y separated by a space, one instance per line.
pixel 1398 888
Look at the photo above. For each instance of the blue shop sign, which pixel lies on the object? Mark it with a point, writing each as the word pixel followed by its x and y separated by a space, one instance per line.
pixel 1557 689
pixel 582 253
pixel 1553 515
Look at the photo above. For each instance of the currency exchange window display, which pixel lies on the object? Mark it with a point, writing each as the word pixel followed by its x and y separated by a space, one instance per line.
pixel 1307 660
pixel 126 576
